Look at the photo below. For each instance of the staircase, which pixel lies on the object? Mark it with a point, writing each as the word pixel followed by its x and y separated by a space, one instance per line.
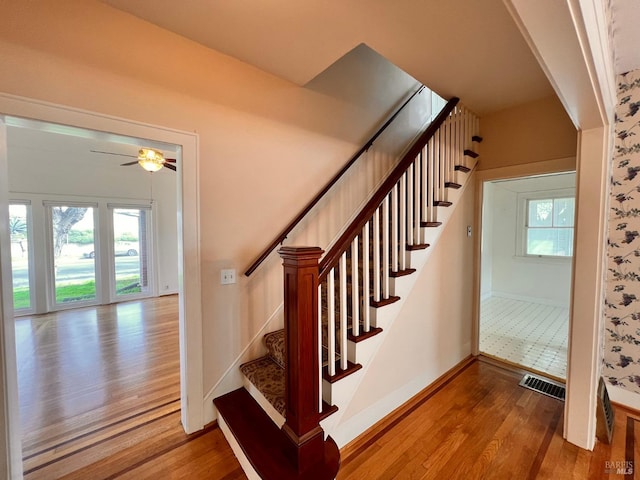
pixel 338 307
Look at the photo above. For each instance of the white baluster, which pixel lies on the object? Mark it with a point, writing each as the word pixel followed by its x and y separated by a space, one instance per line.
pixel 365 279
pixel 458 143
pixel 410 199
pixel 331 323
pixel 431 217
pixel 376 255
pixel 416 201
pixel 423 184
pixel 385 247
pixel 394 229
pixel 343 311
pixel 320 345
pixel 442 167
pixel 355 289
pixel 403 222
pixel 436 166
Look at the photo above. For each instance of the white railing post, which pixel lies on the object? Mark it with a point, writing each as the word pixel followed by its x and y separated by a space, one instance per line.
pixel 331 323
pixel 394 229
pixel 365 279
pixel 355 288
pixel 403 222
pixel 343 311
pixel 385 248
pixel 376 255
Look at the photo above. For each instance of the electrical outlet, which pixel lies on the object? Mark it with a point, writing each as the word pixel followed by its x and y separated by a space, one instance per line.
pixel 469 231
pixel 228 276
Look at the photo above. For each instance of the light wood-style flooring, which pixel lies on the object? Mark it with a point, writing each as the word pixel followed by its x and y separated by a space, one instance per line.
pixel 95 380
pixel 477 425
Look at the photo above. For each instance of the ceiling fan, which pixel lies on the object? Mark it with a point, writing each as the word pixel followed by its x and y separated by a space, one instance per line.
pixel 150 159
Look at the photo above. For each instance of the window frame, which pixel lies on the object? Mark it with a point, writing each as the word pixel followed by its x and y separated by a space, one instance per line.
pixel 523 200
pixel 52 303
pixel 151 290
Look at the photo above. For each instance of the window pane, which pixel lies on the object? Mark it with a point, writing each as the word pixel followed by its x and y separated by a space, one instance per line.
pixel 563 212
pixel 74 254
pixel 550 241
pixel 541 213
pixel 130 246
pixel 19 233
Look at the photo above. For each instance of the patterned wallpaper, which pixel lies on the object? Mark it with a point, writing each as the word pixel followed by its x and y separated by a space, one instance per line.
pixel 622 304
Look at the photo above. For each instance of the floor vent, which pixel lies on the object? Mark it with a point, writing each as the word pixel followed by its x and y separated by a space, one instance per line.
pixel 543 385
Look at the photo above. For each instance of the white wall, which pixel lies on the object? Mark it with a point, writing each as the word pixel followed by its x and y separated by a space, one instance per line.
pixel 543 280
pixel 46 166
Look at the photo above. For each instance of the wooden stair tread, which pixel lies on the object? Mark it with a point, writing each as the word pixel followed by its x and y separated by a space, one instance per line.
pixel 327 410
pixel 471 153
pixel 462 168
pixel 442 203
pixel 476 138
pixel 384 301
pixel 452 185
pixel 340 373
pixel 430 224
pixel 402 273
pixel 363 335
pixel 264 444
pixel 417 246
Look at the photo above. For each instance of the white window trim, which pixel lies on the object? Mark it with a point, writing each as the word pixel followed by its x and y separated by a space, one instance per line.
pixel 521 221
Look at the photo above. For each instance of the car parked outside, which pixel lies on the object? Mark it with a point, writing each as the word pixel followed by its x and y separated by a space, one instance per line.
pixel 121 249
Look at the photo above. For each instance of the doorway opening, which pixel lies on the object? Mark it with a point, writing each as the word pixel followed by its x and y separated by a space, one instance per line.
pixel 526 263
pixel 71 123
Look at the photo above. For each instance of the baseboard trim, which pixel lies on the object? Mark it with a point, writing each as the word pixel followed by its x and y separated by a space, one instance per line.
pixel 515 367
pixel 624 398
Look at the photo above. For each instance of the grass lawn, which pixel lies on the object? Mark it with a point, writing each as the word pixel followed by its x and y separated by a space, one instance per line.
pixel 77 291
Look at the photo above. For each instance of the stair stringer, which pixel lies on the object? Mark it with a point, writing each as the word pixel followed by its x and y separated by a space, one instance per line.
pixel 341 392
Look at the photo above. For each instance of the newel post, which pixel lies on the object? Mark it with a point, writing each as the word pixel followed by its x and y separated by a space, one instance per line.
pixel 302 425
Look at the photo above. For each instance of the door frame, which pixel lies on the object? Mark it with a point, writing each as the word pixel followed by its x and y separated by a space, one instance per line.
pixel 190 306
pixel 555 167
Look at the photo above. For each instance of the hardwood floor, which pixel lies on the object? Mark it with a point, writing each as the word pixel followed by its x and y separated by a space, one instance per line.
pixel 477 424
pixel 89 375
pixel 481 424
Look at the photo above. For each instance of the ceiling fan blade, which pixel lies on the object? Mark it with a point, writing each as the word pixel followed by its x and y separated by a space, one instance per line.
pixel 172 160
pixel 170 167
pixel 128 163
pixel 113 153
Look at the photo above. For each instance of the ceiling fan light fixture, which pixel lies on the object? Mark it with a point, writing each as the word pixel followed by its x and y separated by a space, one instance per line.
pixel 149 159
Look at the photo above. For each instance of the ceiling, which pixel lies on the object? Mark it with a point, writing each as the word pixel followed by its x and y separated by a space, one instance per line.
pixel 469 49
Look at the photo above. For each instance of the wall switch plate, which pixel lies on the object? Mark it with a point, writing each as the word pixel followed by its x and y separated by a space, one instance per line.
pixel 228 276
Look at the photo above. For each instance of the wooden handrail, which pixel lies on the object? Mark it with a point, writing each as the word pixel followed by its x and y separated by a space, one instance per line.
pixel 283 234
pixel 333 255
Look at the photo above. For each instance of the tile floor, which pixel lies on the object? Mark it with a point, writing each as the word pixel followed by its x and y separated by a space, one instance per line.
pixel 529 334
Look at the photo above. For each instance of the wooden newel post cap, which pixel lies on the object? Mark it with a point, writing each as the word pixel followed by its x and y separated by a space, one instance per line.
pixel 292 255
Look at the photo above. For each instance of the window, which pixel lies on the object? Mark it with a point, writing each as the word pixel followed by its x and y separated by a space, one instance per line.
pixel 549 226
pixel 73 278
pixel 131 251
